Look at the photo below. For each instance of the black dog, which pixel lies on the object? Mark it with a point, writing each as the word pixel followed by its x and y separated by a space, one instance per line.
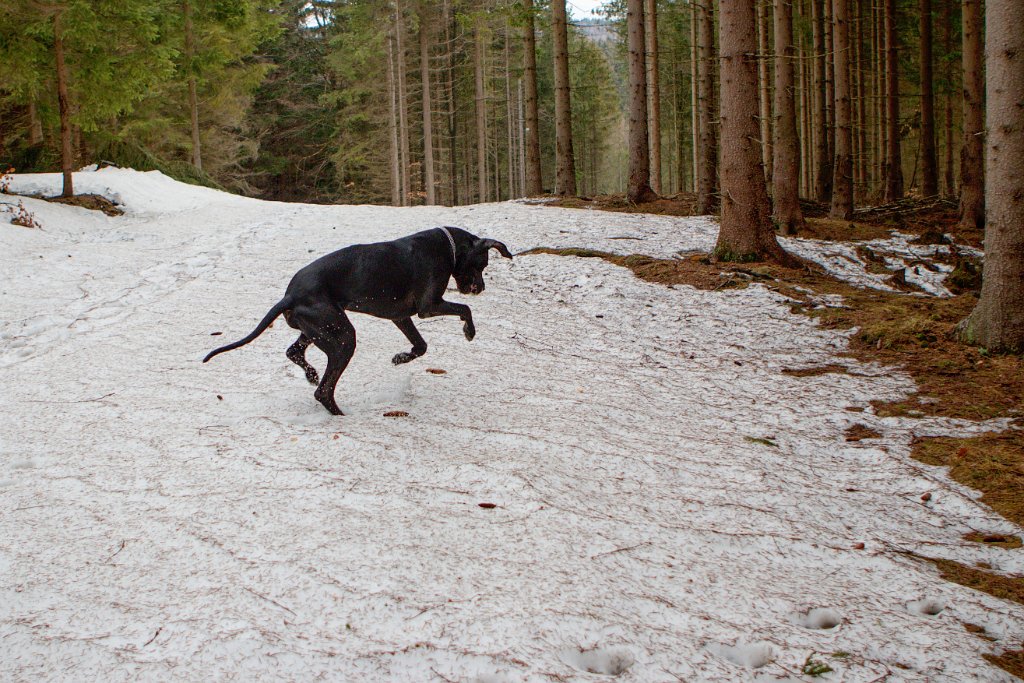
pixel 392 280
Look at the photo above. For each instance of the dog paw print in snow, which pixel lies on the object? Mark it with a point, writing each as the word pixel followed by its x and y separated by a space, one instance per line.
pixel 926 607
pixel 748 655
pixel 611 662
pixel 819 618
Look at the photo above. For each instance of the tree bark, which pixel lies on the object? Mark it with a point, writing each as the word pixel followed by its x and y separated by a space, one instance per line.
pixel 997 322
pixel 893 156
pixel 746 232
pixel 786 176
pixel 396 167
pixel 565 164
pixel 510 157
pixel 764 88
pixel 842 169
pixel 193 98
pixel 822 159
pixel 947 72
pixel 450 105
pixel 480 97
pixel 694 96
pixel 929 163
pixel 972 171
pixel 638 187
pixel 534 178
pixel 707 169
pixel 63 104
pixel 650 13
pixel 428 120
pixel 830 84
pixel 403 105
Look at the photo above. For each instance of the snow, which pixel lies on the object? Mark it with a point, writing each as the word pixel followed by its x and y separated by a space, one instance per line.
pixel 667 504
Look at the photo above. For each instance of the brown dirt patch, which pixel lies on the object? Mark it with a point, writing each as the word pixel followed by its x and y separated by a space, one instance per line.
pixel 990 463
pixel 682 204
pixel 1011 661
pixel 845 231
pixel 859 432
pixel 1003 587
pixel 1007 541
pixel 94 202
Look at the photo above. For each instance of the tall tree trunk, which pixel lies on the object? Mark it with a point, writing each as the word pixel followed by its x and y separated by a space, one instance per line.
pixel 480 96
pixel 707 168
pixel 638 187
pixel 857 84
pixel 653 90
pixel 746 232
pixel 764 88
pixel 830 84
pixel 786 176
pixel 63 104
pixel 842 169
pixel 972 172
pixel 929 164
pixel 534 179
pixel 403 105
pixel 193 98
pixel 893 156
pixel 565 171
pixel 803 124
pixel 997 322
pixel 510 156
pixel 450 105
pixel 947 75
pixel 822 159
pixel 694 97
pixel 428 114
pixel 396 166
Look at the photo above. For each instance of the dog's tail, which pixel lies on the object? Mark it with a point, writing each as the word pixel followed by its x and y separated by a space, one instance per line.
pixel 279 308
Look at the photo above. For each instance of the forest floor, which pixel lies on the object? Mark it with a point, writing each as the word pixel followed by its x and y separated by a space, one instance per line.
pixel 620 475
pixel 907 329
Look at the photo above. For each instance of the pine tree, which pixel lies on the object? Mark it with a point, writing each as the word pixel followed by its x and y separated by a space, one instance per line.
pixel 639 187
pixel 746 232
pixel 997 322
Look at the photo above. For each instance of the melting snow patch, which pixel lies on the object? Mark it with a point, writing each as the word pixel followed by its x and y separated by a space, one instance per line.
pixel 749 655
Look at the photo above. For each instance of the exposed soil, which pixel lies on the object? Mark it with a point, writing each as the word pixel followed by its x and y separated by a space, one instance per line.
pixel 859 432
pixel 1008 541
pixel 94 202
pixel 991 463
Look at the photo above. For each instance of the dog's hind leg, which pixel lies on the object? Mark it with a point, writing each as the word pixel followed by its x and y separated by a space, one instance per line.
pixel 331 331
pixel 297 354
pixel 419 347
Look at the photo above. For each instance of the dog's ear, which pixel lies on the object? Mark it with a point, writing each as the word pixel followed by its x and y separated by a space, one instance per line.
pixel 485 244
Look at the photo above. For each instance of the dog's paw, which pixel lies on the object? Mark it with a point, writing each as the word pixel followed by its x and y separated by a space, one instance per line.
pixel 312 377
pixel 469 331
pixel 403 357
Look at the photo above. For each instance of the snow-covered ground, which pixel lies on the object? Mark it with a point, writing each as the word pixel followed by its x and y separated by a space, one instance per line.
pixel 667 504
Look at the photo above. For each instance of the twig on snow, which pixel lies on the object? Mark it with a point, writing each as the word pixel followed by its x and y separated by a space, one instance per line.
pixel 154 637
pixel 270 600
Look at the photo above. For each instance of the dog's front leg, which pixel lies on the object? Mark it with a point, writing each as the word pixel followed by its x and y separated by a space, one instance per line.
pixel 443 307
pixel 419 347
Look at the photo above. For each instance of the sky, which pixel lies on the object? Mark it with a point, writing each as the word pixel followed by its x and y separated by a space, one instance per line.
pixel 580 9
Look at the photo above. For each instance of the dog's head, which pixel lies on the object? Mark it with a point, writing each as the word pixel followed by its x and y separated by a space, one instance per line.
pixel 471 261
